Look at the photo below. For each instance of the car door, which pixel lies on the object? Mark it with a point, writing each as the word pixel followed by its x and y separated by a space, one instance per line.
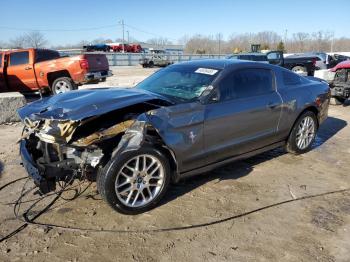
pixel 243 114
pixel 2 78
pixel 20 71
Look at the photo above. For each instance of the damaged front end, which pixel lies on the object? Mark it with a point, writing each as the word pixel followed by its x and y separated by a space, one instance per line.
pixel 49 154
pixel 56 149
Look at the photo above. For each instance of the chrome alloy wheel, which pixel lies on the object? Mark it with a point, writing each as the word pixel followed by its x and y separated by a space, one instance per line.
pixel 140 180
pixel 62 87
pixel 306 132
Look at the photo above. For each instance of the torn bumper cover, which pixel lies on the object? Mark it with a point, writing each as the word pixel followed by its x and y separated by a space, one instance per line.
pixel 48 163
pixel 29 164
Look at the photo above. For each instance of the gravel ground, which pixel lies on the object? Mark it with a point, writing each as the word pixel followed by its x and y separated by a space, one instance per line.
pixel 235 213
pixel 124 76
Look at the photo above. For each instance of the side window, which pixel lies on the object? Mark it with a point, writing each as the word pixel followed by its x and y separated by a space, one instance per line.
pixel 246 83
pixel 45 55
pixel 290 79
pixel 19 58
pixel 0 60
pixel 226 88
pixel 245 57
pixel 252 82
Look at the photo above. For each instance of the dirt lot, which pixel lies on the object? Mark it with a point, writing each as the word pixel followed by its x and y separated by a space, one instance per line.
pixel 242 212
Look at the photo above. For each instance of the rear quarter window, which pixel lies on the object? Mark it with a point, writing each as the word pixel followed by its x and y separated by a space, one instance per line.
pixel 19 58
pixel 0 60
pixel 259 58
pixel 291 79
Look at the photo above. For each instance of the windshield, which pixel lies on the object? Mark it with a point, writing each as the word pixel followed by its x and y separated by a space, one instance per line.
pixel 180 82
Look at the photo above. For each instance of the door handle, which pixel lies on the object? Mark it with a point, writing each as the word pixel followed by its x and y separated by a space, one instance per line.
pixel 28 68
pixel 272 105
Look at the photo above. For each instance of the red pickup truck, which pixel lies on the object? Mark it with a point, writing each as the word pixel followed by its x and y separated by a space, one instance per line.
pixel 33 69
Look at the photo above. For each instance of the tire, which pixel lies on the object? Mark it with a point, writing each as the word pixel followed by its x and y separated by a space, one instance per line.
pixel 293 146
pixel 103 79
pixel 115 177
pixel 337 100
pixel 299 69
pixel 62 85
pixel 151 64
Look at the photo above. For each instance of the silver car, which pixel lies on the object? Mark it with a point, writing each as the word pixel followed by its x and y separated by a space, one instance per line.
pixel 186 119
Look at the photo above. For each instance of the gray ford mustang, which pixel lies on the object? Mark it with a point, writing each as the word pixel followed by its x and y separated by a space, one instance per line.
pixel 183 120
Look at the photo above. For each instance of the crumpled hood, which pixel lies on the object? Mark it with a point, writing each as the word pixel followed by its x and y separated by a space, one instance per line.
pixel 81 104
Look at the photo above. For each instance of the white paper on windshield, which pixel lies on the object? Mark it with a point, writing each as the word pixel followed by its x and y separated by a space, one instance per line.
pixel 206 71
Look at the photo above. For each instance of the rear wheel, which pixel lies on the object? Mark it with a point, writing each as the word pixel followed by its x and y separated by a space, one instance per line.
pixel 151 64
pixel 134 181
pixel 63 85
pixel 303 134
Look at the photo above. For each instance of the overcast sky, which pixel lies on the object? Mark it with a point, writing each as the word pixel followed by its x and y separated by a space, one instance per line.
pixel 69 21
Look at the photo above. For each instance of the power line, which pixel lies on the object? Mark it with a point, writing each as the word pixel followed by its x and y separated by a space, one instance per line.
pixel 58 30
pixel 82 29
pixel 146 32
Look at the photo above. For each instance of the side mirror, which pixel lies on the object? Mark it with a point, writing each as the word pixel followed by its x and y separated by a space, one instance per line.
pixel 210 95
pixel 215 96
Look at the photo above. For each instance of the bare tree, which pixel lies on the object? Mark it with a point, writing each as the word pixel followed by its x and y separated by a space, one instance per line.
pixel 160 41
pixel 200 44
pixel 35 39
pixel 3 45
pixel 18 42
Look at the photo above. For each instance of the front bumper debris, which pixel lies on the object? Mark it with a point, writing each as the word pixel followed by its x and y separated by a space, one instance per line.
pixel 44 185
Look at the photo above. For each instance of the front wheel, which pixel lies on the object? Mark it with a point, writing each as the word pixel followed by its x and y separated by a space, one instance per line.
pixel 303 134
pixel 134 181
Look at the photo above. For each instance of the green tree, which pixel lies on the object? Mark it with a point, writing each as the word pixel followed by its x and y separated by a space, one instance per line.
pixel 280 47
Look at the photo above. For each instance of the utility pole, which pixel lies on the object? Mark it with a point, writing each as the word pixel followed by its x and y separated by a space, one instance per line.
pixel 122 23
pixel 332 42
pixel 128 36
pixel 219 42
pixel 285 36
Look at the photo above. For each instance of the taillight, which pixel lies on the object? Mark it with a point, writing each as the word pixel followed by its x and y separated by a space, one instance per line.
pixel 84 64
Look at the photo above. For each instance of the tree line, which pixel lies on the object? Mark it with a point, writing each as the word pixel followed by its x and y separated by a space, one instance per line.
pixel 268 40
pixel 210 44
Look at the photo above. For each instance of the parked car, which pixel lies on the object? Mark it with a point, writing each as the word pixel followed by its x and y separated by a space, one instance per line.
pixel 183 120
pixel 28 70
pixel 340 86
pixel 304 65
pixel 128 48
pixel 327 61
pixel 97 47
pixel 155 60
